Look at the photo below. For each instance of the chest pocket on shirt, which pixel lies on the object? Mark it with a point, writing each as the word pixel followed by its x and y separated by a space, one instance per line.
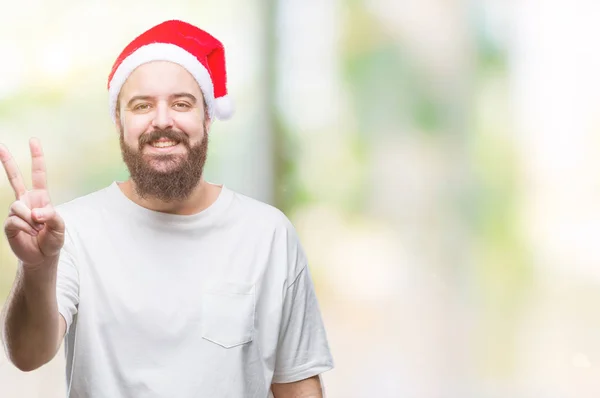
pixel 228 314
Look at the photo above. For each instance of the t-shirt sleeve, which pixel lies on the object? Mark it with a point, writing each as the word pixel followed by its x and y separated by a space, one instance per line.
pixel 67 282
pixel 303 350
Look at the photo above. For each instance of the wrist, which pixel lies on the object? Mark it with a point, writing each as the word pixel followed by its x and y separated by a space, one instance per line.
pixel 49 265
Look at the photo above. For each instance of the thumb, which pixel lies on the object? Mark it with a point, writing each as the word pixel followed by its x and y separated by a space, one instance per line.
pixel 48 215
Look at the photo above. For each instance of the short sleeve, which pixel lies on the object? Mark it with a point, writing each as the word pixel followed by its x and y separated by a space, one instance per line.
pixel 67 282
pixel 303 350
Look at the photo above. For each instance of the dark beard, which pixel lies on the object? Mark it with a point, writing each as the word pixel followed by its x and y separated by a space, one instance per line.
pixel 180 174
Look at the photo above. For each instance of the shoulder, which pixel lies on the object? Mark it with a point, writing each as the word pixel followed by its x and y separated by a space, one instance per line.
pixel 83 205
pixel 268 223
pixel 260 213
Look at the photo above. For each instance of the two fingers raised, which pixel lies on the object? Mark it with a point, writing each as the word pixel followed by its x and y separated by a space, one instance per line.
pixel 33 219
pixel 38 169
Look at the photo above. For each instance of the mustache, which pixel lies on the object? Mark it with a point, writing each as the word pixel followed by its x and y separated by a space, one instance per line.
pixel 170 134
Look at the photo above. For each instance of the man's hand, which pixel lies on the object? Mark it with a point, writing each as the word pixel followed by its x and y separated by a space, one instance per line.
pixel 308 388
pixel 34 230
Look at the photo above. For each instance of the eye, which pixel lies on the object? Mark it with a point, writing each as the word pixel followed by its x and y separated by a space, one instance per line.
pixel 141 107
pixel 182 105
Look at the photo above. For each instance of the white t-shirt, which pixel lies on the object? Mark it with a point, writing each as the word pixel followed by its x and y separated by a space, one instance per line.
pixel 217 304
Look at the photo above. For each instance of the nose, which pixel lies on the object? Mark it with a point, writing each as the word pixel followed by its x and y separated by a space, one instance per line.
pixel 162 117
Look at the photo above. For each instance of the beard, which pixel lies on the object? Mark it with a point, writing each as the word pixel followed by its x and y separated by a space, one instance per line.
pixel 166 177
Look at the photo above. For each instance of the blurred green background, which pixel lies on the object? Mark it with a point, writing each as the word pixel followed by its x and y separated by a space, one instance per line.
pixel 439 159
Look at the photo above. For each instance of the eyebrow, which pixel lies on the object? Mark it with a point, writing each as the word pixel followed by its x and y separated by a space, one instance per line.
pixel 172 96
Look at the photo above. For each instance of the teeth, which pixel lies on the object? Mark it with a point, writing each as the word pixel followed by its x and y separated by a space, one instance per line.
pixel 163 144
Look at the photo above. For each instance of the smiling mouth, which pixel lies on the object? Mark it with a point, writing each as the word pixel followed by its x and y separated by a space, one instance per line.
pixel 163 143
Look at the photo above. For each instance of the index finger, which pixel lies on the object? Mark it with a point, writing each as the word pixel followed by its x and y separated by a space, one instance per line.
pixel 38 165
pixel 12 172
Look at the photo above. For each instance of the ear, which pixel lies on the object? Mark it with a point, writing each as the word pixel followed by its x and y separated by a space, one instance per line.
pixel 207 119
pixel 118 120
pixel 207 124
pixel 118 123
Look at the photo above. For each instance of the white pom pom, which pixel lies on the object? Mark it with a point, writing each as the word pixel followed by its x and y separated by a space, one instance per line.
pixel 224 107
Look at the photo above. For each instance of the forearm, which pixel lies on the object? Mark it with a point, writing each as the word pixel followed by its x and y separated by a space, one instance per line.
pixel 30 317
pixel 308 388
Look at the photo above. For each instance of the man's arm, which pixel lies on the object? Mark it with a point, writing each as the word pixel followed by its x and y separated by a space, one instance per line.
pixel 307 388
pixel 32 328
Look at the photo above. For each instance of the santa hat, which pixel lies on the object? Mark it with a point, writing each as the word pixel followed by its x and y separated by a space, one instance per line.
pixel 201 54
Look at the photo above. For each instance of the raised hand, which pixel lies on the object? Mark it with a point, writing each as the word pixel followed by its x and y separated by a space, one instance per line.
pixel 34 229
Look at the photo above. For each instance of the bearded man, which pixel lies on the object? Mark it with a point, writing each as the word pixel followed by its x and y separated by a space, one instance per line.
pixel 163 285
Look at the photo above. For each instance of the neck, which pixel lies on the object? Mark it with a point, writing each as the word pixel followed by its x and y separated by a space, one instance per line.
pixel 201 198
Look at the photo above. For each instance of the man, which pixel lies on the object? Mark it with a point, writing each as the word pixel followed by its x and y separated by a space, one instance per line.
pixel 164 285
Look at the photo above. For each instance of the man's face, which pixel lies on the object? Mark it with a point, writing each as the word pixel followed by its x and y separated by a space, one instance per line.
pixel 163 130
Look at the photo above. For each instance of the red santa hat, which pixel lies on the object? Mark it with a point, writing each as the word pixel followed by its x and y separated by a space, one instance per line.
pixel 201 54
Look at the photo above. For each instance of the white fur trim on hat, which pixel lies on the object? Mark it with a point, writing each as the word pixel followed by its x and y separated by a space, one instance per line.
pixel 224 107
pixel 161 52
